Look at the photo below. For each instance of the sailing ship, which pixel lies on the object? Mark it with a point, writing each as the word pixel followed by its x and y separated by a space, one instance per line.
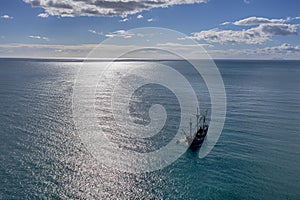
pixel 196 139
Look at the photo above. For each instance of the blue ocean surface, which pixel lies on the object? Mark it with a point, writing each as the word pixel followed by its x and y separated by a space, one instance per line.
pixel 256 157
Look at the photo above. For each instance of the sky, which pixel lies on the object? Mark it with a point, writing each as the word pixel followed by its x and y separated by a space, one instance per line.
pixel 231 29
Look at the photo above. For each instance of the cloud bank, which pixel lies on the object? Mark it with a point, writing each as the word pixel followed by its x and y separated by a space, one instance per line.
pixel 284 48
pixel 71 8
pixel 263 31
pixel 286 51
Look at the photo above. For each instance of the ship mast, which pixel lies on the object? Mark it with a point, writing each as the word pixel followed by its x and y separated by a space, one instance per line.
pixel 198 116
pixel 191 124
pixel 204 118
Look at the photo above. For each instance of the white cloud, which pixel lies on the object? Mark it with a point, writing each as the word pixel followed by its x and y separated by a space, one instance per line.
pixel 284 48
pixel 92 31
pixel 150 20
pixel 171 44
pixel 38 37
pixel 70 8
pixel 284 51
pixel 264 30
pixel 225 23
pixel 277 29
pixel 230 36
pixel 252 21
pixel 247 1
pixel 95 32
pixel 255 21
pixel 43 15
pixel 124 20
pixel 6 17
pixel 140 17
pixel 120 33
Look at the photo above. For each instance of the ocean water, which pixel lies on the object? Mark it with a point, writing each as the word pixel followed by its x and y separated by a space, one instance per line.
pixel 256 157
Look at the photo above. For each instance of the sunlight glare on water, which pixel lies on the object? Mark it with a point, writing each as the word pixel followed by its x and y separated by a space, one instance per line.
pixel 42 155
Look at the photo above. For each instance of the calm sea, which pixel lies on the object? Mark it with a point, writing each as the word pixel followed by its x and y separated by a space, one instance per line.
pixel 256 157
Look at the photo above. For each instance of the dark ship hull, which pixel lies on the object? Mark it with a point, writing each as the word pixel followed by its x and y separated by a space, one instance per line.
pixel 196 139
pixel 196 142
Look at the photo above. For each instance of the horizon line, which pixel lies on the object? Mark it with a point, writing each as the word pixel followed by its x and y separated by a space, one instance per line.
pixel 72 59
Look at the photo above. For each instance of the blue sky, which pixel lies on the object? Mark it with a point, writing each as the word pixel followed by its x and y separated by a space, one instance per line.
pixel 263 29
